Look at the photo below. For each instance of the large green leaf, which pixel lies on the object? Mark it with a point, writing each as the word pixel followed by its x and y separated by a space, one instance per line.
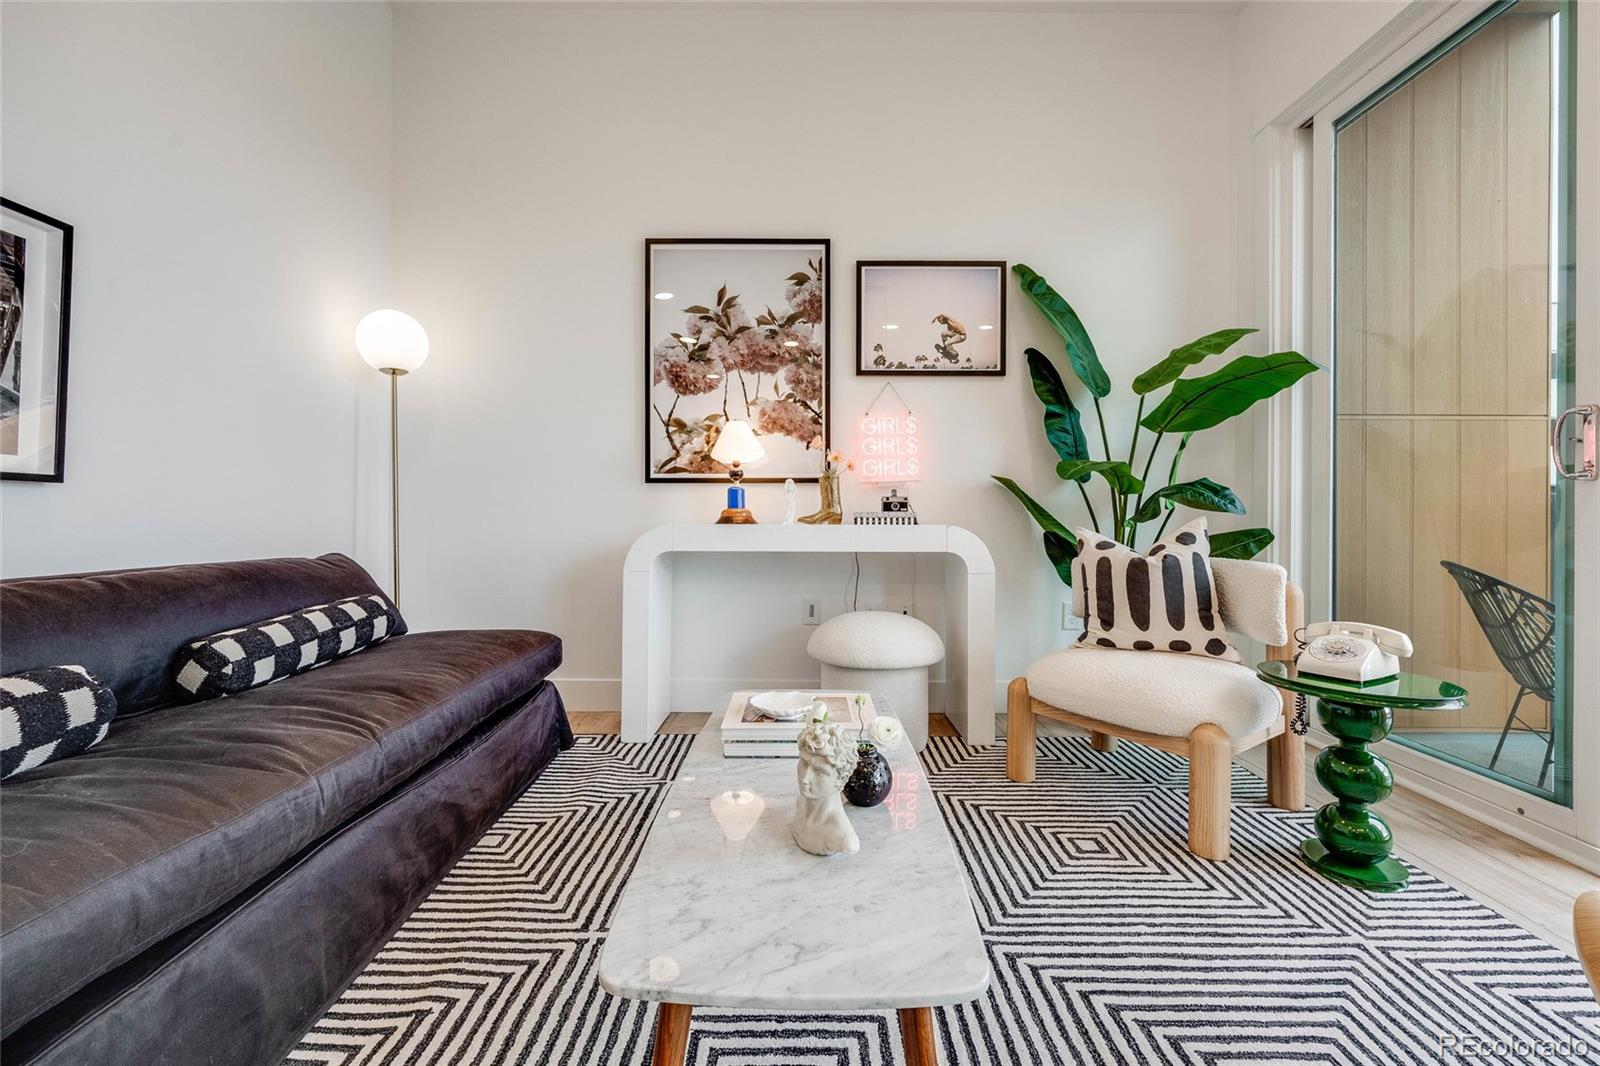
pixel 1062 425
pixel 1180 359
pixel 1240 543
pixel 1080 349
pixel 1200 403
pixel 1118 475
pixel 1202 494
pixel 1061 552
pixel 1047 521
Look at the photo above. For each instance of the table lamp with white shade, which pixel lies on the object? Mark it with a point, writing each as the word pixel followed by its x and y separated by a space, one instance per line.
pixel 737 449
pixel 394 343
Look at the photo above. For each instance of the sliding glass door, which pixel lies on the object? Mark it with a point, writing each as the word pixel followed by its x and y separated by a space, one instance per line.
pixel 1454 327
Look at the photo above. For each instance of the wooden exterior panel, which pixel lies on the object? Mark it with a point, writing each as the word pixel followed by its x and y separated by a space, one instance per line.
pixel 1387 265
pixel 1435 246
pixel 1528 214
pixel 1350 296
pixel 1483 222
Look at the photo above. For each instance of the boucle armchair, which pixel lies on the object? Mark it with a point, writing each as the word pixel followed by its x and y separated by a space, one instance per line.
pixel 1202 709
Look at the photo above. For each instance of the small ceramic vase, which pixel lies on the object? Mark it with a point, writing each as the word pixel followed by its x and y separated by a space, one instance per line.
pixel 872 779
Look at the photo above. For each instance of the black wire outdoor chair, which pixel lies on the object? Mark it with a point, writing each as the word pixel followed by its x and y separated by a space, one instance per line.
pixel 1521 629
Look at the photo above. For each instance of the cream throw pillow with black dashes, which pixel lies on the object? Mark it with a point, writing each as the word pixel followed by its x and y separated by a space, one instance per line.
pixel 1163 600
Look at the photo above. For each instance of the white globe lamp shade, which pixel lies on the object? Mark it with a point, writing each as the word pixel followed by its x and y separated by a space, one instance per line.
pixel 392 341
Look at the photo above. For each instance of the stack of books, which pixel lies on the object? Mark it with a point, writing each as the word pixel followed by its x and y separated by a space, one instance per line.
pixel 747 732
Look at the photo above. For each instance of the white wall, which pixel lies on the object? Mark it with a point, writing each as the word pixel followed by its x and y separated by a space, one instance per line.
pixel 246 178
pixel 227 169
pixel 537 146
pixel 1284 47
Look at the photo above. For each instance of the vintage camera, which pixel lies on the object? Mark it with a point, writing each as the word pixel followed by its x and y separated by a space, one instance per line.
pixel 894 503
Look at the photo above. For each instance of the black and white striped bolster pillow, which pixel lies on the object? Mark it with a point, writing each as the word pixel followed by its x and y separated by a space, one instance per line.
pixel 281 647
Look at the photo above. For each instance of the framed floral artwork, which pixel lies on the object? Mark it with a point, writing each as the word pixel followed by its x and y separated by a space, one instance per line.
pixel 35 311
pixel 931 317
pixel 735 329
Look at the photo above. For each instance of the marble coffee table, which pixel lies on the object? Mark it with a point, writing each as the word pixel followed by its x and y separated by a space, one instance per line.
pixel 723 910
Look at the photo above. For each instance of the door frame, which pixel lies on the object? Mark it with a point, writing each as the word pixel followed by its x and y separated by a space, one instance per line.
pixel 1293 166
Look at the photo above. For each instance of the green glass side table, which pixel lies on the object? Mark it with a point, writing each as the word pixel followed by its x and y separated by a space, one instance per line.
pixel 1352 844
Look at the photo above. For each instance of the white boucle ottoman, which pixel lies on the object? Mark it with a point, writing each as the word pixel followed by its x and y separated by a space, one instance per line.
pixel 882 653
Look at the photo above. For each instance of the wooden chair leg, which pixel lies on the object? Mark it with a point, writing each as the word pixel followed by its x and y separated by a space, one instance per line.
pixel 1286 771
pixel 1020 727
pixel 1210 760
pixel 1102 742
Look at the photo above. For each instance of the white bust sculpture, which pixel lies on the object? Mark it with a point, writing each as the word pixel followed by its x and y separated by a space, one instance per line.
pixel 827 758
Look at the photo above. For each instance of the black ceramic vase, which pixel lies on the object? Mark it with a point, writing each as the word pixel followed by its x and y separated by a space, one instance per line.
pixel 872 779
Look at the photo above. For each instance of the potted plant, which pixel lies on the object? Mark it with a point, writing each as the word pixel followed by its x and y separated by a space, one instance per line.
pixel 1190 405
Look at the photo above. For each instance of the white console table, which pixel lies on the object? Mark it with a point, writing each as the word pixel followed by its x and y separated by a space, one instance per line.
pixel 969 609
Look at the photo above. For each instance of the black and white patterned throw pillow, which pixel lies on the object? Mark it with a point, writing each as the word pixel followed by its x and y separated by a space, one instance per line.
pixel 1164 600
pixel 277 648
pixel 50 713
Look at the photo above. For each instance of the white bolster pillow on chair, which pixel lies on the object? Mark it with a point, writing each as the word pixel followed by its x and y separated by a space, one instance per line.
pixel 1252 596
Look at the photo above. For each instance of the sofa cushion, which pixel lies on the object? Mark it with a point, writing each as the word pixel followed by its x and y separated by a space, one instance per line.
pixel 1167 695
pixel 276 648
pixel 126 626
pixel 178 811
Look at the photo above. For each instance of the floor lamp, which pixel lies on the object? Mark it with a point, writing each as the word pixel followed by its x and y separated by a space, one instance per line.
pixel 394 343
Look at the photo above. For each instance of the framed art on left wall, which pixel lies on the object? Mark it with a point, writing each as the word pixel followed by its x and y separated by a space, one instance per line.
pixel 735 329
pixel 35 311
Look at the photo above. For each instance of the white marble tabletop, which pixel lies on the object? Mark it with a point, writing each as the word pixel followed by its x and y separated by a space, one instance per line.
pixel 724 910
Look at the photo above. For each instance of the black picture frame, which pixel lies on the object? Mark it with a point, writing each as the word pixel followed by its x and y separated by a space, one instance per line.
pixel 58 473
pixel 864 369
pixel 651 421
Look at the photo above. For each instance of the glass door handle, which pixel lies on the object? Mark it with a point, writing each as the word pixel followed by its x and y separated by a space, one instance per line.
pixel 1586 470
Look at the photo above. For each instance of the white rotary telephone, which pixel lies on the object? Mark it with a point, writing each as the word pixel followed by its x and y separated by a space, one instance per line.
pixel 1353 651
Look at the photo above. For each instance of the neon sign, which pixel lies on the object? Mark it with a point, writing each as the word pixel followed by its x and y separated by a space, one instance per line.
pixel 889 448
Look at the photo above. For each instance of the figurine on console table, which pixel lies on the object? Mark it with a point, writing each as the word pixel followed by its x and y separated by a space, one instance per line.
pixel 827 759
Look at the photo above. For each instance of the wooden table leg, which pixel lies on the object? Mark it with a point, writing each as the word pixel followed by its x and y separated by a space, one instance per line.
pixel 916 1032
pixel 672 1034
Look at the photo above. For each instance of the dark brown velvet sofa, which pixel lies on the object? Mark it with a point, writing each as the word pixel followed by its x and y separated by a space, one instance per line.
pixel 203 883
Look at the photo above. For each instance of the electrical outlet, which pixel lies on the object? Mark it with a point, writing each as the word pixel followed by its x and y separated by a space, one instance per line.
pixel 810 611
pixel 1070 623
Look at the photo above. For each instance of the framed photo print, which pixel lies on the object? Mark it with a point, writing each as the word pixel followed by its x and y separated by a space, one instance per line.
pixel 735 330
pixel 931 317
pixel 35 309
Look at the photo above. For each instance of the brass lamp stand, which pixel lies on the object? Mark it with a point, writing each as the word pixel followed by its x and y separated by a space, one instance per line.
pixel 393 343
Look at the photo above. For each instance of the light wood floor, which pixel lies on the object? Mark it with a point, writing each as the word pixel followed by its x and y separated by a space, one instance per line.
pixel 1531 887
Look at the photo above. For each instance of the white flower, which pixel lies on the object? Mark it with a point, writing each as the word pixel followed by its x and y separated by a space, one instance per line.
pixel 885 731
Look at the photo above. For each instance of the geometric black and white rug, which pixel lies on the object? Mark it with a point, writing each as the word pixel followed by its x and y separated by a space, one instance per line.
pixel 1108 941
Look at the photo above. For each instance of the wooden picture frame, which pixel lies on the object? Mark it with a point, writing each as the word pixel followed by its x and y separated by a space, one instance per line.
pixel 931 307
pixel 735 328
